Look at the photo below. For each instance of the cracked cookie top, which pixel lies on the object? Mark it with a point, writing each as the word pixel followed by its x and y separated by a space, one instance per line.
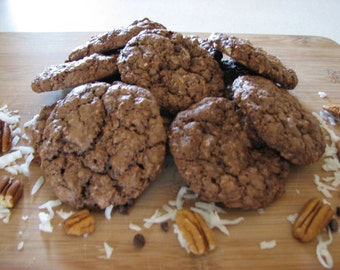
pixel 254 58
pixel 219 157
pixel 71 74
pixel 103 145
pixel 112 40
pixel 279 119
pixel 173 67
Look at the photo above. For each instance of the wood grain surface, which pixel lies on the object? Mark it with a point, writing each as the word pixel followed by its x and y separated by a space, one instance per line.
pixel 23 55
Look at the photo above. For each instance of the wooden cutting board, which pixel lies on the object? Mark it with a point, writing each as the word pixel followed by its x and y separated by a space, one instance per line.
pixel 23 55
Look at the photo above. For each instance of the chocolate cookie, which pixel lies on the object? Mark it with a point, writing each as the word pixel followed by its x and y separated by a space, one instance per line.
pixel 112 40
pixel 214 150
pixel 37 130
pixel 173 67
pixel 71 74
pixel 279 119
pixel 103 145
pixel 254 58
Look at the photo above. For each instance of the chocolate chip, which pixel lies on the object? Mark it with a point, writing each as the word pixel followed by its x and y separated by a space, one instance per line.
pixel 216 54
pixel 123 209
pixel 333 225
pixel 165 226
pixel 139 240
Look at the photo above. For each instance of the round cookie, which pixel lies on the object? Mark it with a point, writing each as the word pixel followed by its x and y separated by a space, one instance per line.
pixel 103 145
pixel 174 68
pixel 216 154
pixel 112 40
pixel 279 119
pixel 67 75
pixel 37 130
pixel 254 58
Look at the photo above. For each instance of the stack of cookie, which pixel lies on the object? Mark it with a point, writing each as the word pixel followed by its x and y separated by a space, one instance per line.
pixel 233 128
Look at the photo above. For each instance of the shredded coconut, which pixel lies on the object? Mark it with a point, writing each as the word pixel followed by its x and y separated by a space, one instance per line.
pixel 64 215
pixel 323 123
pixel 108 250
pixel 20 245
pixel 149 221
pixel 180 238
pixel 331 164
pixel 38 184
pixel 172 203
pixel 46 226
pixel 213 220
pixel 324 257
pixel 32 121
pixel 329 117
pixel 9 158
pixel 108 211
pixel 336 181
pixel 23 168
pixel 209 207
pixel 15 140
pixel 322 94
pixel 167 208
pixel 291 218
pixel 16 132
pixel 135 227
pixel 9 118
pixel 157 217
pixel 180 194
pixel 326 202
pixel 25 137
pixel 268 244
pixel 50 204
pixel 323 188
pixel 9 161
pixel 209 212
pixel 5 214
pixel 45 218
pixel 25 150
pixel 330 150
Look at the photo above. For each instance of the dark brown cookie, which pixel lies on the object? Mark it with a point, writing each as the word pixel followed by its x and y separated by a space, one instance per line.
pixel 279 119
pixel 112 40
pixel 89 69
pixel 256 59
pixel 104 145
pixel 214 150
pixel 37 130
pixel 173 67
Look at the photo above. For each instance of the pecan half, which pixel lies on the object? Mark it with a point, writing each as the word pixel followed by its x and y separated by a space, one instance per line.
pixel 10 191
pixel 332 108
pixel 5 138
pixel 198 236
pixel 79 223
pixel 312 219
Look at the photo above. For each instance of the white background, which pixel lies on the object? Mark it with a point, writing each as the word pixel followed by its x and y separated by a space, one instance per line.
pixel 291 17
